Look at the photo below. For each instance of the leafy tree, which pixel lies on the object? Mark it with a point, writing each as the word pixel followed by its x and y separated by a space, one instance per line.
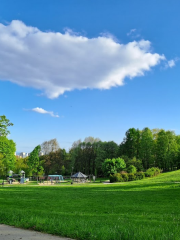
pixel 146 147
pixel 7 150
pixel 4 124
pixel 21 164
pixel 34 163
pixel 161 149
pixel 172 151
pixel 131 144
pixel 112 166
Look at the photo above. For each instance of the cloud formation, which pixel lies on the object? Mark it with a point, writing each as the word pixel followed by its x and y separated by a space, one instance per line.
pixel 54 62
pixel 171 63
pixel 42 111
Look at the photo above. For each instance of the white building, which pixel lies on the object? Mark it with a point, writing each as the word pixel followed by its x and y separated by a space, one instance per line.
pixel 23 154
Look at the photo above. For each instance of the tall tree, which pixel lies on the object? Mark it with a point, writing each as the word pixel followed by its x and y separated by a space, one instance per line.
pixel 161 149
pixel 146 148
pixel 131 143
pixel 34 162
pixel 49 146
pixel 7 150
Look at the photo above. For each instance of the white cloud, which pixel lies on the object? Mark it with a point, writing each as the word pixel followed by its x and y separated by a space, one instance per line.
pixel 131 31
pixel 171 63
pixel 42 111
pixel 54 62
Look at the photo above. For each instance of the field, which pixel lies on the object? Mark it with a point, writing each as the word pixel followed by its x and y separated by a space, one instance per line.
pixel 146 209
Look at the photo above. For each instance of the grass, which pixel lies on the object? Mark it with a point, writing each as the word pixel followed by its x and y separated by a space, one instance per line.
pixel 148 209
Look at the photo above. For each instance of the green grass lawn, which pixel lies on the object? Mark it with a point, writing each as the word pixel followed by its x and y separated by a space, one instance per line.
pixel 141 210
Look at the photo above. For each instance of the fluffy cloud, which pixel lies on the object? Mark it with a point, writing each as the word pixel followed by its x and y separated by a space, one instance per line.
pixel 41 110
pixel 171 63
pixel 54 62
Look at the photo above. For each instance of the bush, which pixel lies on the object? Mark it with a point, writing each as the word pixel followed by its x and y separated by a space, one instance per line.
pixel 116 178
pixel 125 177
pixel 151 172
pixel 112 178
pixel 131 169
pixel 140 175
pixel 131 177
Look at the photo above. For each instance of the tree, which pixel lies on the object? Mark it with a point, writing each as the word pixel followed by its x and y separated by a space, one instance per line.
pixel 161 149
pixel 21 164
pixel 50 146
pixel 131 169
pixel 131 143
pixel 4 124
pixel 34 163
pixel 91 140
pixel 112 166
pixel 7 150
pixel 146 147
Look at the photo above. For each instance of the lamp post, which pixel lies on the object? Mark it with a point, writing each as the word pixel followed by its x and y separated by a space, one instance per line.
pixel 72 171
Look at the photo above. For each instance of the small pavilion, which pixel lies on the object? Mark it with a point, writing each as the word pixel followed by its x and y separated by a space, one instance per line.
pixel 79 177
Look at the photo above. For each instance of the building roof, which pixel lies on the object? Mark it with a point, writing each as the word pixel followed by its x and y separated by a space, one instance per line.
pixel 79 175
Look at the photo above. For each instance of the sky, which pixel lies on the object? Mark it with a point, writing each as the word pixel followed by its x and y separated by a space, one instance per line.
pixel 70 69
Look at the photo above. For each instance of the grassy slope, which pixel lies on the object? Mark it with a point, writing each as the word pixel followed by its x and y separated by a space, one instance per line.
pixel 146 209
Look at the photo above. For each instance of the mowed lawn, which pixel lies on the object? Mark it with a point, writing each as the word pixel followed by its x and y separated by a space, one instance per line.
pixel 146 209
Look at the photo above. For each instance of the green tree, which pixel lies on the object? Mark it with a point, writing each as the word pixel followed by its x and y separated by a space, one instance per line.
pixel 4 124
pixel 112 166
pixel 131 169
pixel 161 149
pixel 7 150
pixel 131 144
pixel 146 148
pixel 34 163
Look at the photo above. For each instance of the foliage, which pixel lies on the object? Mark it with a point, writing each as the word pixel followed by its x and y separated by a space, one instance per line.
pixel 125 177
pixel 34 163
pixel 135 162
pixel 49 146
pixel 151 172
pixel 131 176
pixel 116 178
pixel 112 166
pixel 4 124
pixel 146 147
pixel 22 164
pixel 140 175
pixel 131 169
pixel 63 170
pixel 7 157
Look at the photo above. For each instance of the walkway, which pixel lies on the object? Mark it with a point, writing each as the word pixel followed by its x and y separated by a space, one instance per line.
pixel 12 233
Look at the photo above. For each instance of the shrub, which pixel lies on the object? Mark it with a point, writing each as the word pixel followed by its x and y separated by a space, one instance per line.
pixel 119 177
pixel 131 169
pixel 140 175
pixel 125 177
pixel 112 166
pixel 116 178
pixel 151 172
pixel 112 178
pixel 131 176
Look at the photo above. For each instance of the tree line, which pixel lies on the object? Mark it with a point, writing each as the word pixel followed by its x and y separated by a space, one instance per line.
pixel 143 149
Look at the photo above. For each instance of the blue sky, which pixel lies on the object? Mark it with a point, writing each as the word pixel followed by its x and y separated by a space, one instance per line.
pixel 73 69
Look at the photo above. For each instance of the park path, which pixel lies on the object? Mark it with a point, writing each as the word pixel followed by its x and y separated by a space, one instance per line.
pixel 12 233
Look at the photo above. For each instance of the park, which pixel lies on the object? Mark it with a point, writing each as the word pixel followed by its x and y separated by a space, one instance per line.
pixel 146 209
pixel 131 199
